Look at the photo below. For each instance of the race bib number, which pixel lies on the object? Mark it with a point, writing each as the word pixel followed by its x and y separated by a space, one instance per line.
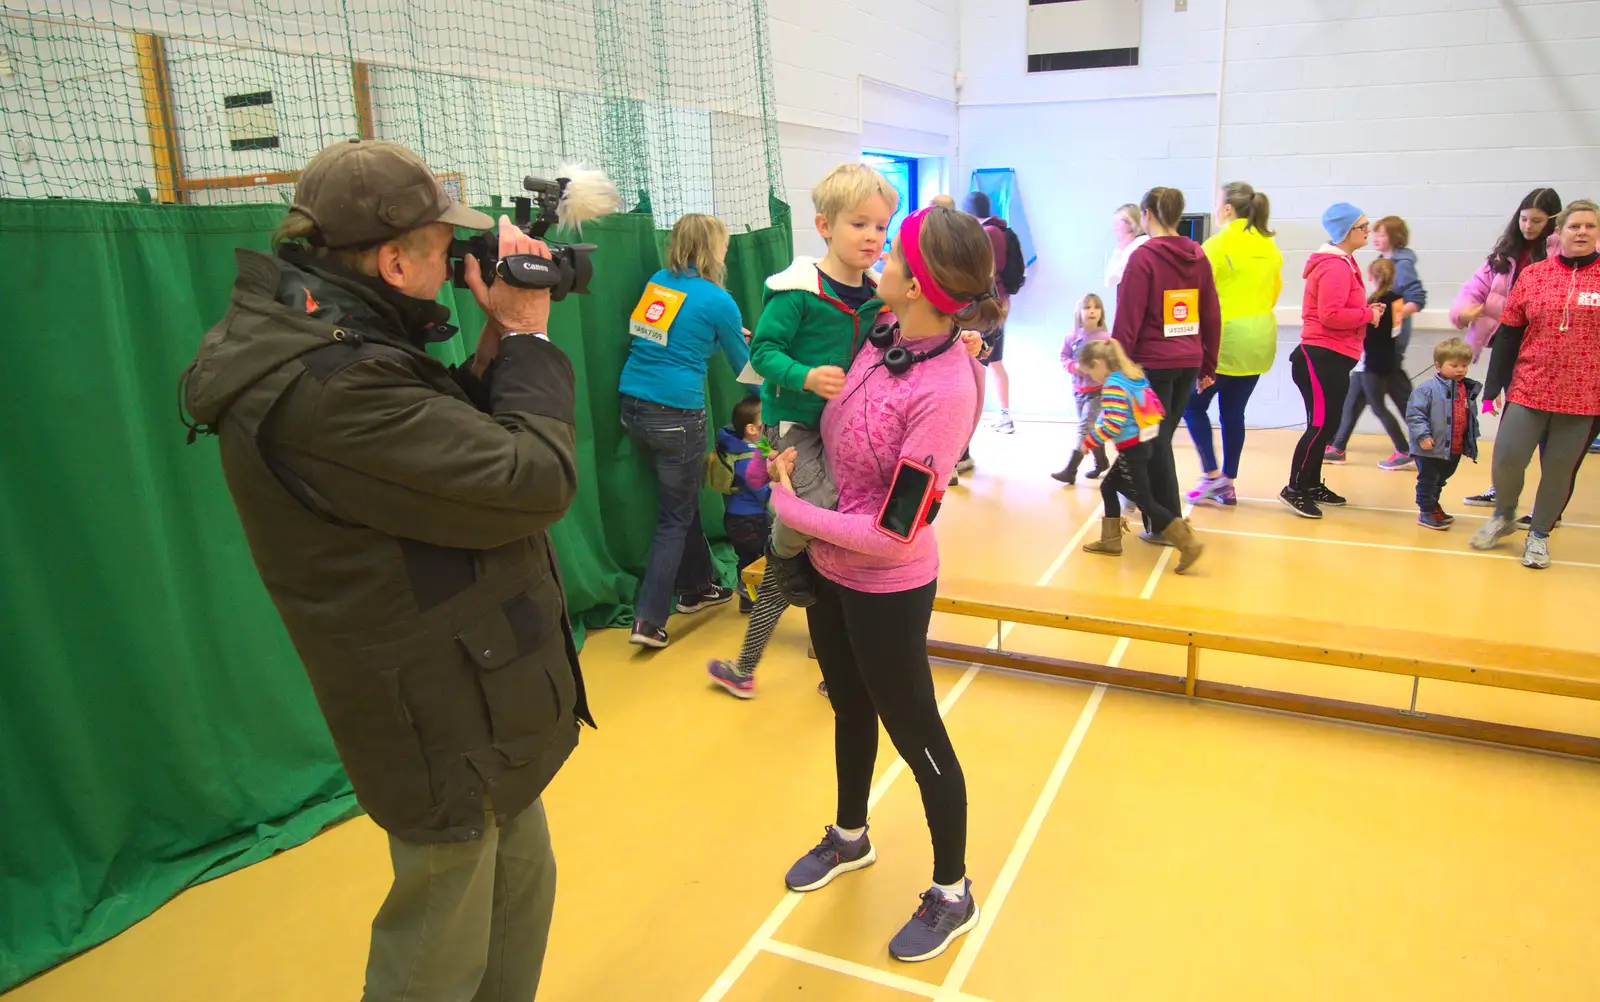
pixel 1181 312
pixel 652 318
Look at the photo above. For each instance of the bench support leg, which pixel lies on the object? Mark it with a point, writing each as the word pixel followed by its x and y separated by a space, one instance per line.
pixel 1416 681
pixel 999 636
pixel 1193 674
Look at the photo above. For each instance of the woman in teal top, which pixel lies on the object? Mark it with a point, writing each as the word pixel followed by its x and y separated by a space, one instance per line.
pixel 1249 273
pixel 684 317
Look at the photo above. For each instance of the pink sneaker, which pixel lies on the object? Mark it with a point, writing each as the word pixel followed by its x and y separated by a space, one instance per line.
pixel 1219 490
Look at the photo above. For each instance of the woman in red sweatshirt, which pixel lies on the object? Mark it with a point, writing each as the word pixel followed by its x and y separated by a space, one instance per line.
pixel 1168 321
pixel 1333 328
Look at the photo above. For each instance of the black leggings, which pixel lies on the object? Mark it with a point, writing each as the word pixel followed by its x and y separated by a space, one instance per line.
pixel 1130 477
pixel 873 651
pixel 1370 387
pixel 1323 377
pixel 1174 387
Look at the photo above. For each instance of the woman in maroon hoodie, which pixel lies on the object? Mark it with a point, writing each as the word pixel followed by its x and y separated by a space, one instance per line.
pixel 1168 321
pixel 1333 330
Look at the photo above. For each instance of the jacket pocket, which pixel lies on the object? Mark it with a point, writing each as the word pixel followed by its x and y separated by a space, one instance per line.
pixel 523 671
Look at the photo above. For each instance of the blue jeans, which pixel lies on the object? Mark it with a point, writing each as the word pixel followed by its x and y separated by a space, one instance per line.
pixel 1233 392
pixel 680 560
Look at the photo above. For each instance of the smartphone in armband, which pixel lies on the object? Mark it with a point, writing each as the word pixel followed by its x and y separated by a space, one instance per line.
pixel 913 501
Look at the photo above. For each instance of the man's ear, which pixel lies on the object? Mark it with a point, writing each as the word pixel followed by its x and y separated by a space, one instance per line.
pixel 391 264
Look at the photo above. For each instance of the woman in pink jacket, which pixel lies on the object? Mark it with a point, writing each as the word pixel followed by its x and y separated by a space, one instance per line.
pixel 1333 329
pixel 1529 238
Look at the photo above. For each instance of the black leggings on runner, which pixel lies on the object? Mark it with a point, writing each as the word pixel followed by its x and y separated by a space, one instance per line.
pixel 1130 477
pixel 1323 377
pixel 873 650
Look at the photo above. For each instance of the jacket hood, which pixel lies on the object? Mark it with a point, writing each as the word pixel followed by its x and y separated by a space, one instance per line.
pixel 803 276
pixel 1324 255
pixel 731 442
pixel 996 222
pixel 279 311
pixel 1178 251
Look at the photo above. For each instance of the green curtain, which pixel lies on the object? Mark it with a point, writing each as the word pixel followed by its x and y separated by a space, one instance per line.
pixel 156 729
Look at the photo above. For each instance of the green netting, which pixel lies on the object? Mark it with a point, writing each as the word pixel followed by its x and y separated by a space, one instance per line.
pixel 156 728
pixel 103 99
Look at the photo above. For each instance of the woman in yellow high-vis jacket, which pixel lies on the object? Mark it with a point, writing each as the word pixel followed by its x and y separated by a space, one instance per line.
pixel 1249 273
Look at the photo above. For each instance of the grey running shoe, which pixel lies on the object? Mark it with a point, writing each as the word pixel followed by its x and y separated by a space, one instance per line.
pixel 936 924
pixel 834 855
pixel 1536 553
pixel 1494 530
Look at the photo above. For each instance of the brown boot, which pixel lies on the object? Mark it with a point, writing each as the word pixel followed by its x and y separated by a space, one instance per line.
pixel 1110 541
pixel 1180 535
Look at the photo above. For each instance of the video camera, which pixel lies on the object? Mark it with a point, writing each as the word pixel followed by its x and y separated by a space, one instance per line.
pixel 586 195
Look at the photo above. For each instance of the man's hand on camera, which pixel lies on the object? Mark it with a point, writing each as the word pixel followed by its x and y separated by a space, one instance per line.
pixel 508 307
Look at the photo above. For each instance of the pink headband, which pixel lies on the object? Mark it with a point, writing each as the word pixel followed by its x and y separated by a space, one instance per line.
pixel 911 247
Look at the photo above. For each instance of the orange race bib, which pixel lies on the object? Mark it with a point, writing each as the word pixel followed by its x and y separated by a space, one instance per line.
pixel 658 308
pixel 1180 312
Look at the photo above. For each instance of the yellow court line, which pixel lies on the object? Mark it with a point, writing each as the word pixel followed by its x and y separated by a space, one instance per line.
pixel 1385 546
pixel 1412 511
pixel 887 979
pixel 950 991
pixel 763 939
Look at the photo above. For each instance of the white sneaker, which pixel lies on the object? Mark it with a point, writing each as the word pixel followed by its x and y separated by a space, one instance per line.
pixel 1497 528
pixel 1537 553
pixel 1004 425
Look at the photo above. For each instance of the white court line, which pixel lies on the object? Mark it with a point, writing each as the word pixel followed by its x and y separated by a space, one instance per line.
pixel 1413 511
pixel 762 938
pixel 950 991
pixel 900 982
pixel 1383 546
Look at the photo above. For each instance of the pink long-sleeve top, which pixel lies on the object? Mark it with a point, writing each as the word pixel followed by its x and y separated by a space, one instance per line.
pixel 927 415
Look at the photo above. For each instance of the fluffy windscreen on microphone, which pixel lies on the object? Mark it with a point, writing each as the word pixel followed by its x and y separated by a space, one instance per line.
pixel 589 195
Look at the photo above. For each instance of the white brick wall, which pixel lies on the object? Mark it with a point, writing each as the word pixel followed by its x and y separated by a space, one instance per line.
pixel 1444 112
pixel 855 73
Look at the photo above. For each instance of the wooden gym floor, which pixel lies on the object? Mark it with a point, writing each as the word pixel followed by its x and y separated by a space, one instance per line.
pixel 1124 846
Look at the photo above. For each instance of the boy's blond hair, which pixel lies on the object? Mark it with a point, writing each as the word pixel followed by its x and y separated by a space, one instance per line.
pixel 1453 350
pixel 849 185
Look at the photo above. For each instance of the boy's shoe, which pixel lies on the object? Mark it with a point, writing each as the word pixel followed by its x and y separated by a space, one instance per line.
pixel 955 480
pixel 710 596
pixel 1299 503
pixel 1484 500
pixel 792 575
pixel 729 677
pixel 1433 520
pixel 1536 553
pixel 1440 512
pixel 1322 494
pixel 1219 490
pixel 1004 425
pixel 834 855
pixel 938 922
pixel 1337 457
pixel 965 465
pixel 1494 530
pixel 648 635
pixel 1526 522
pixel 1396 461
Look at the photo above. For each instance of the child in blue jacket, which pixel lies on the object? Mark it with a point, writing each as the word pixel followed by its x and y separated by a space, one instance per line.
pixel 746 516
pixel 1442 418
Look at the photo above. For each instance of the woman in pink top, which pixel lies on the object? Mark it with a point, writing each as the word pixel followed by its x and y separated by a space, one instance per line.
pixel 1333 331
pixel 917 400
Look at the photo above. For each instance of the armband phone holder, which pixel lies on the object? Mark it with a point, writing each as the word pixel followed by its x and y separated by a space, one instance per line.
pixel 914 500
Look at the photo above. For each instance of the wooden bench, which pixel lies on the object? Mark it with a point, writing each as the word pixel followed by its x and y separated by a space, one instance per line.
pixel 1418 655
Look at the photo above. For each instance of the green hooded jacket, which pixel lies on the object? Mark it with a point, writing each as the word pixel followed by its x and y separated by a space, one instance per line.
pixel 803 326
